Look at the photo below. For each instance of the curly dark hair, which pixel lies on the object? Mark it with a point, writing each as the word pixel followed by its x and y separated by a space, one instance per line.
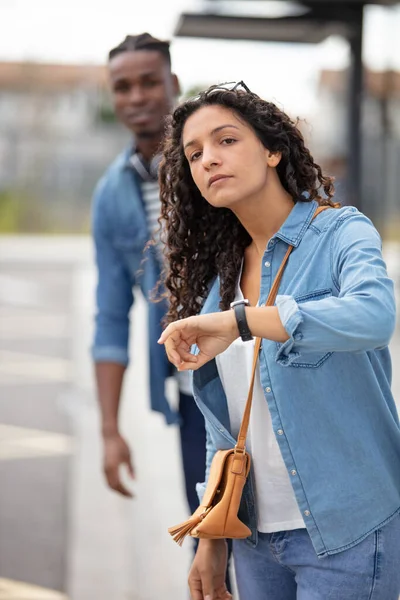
pixel 203 241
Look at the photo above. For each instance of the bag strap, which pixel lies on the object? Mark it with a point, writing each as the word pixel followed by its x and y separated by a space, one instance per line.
pixel 241 441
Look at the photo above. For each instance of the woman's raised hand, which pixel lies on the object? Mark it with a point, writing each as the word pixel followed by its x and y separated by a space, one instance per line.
pixel 212 334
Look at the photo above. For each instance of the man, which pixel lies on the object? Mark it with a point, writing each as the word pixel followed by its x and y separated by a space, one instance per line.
pixel 125 213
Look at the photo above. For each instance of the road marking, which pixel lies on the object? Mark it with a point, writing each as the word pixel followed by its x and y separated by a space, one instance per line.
pixel 35 366
pixel 23 442
pixel 17 590
pixel 18 326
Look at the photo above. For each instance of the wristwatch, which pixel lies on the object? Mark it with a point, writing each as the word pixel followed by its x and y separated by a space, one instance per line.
pixel 240 314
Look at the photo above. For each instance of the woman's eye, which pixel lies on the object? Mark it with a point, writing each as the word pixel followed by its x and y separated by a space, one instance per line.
pixel 195 156
pixel 228 141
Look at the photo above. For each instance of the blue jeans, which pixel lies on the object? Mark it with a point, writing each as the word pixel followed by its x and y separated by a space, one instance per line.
pixel 284 566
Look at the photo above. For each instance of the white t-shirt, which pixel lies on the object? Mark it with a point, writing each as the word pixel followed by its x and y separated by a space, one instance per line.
pixel 277 508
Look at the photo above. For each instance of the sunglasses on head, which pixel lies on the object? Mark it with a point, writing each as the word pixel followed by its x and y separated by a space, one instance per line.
pixel 228 86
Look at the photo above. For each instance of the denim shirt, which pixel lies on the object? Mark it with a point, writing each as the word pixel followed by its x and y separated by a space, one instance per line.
pixel 120 235
pixel 328 386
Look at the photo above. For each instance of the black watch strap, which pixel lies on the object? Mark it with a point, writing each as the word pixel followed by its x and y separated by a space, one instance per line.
pixel 240 314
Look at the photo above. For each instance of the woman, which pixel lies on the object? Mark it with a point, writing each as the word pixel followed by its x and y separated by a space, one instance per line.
pixel 238 186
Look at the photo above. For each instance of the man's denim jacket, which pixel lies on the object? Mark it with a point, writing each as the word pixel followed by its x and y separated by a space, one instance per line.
pixel 120 235
pixel 328 386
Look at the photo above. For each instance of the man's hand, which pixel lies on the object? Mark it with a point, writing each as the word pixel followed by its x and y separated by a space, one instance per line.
pixel 207 575
pixel 117 453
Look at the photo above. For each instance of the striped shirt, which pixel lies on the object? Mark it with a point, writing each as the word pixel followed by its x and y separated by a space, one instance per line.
pixel 151 201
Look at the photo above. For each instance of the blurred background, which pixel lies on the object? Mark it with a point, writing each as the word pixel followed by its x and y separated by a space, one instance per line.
pixel 335 65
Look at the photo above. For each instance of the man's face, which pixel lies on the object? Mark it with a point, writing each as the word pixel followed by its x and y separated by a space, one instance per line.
pixel 144 90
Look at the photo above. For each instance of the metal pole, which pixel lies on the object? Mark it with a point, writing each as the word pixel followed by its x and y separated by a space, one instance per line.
pixel 354 159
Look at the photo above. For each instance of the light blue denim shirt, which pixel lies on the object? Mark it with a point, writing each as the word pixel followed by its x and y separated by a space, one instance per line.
pixel 328 386
pixel 120 234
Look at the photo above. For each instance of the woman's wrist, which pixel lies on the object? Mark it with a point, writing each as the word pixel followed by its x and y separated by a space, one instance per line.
pixel 207 543
pixel 231 323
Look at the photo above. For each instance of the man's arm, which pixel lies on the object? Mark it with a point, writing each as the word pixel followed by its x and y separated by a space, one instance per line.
pixel 114 299
pixel 109 379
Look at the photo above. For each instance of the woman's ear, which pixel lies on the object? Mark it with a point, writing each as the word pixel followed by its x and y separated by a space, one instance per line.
pixel 273 158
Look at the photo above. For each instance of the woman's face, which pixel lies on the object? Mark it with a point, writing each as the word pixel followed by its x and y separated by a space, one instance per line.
pixel 227 161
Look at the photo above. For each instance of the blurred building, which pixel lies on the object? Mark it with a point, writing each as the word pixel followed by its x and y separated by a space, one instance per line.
pixel 57 133
pixel 380 137
pixel 313 21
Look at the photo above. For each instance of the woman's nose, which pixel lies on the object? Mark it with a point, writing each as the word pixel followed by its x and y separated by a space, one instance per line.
pixel 209 158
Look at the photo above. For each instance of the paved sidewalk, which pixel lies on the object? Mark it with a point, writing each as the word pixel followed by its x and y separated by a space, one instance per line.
pixel 62 530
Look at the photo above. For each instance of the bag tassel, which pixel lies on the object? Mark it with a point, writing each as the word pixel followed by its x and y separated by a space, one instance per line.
pixel 179 532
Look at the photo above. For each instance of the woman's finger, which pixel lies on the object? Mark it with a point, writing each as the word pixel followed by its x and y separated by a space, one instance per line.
pixel 186 356
pixel 172 350
pixel 223 594
pixel 182 362
pixel 173 356
pixel 196 591
pixel 192 365
pixel 170 330
pixel 187 366
pixel 177 352
pixel 185 327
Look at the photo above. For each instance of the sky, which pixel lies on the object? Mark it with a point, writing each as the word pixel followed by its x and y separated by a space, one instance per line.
pixel 82 31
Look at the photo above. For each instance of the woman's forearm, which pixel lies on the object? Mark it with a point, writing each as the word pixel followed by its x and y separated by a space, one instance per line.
pixel 264 322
